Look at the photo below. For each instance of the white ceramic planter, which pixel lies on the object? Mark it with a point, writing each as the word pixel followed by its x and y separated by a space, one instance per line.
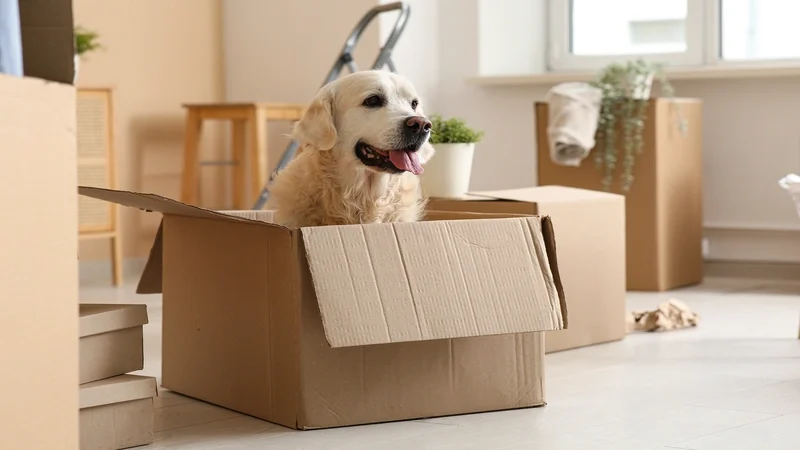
pixel 447 174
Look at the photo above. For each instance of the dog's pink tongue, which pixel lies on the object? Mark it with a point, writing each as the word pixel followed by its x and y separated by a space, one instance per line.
pixel 406 160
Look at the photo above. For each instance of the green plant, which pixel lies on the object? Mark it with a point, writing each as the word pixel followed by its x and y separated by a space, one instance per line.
pixel 452 131
pixel 86 41
pixel 625 95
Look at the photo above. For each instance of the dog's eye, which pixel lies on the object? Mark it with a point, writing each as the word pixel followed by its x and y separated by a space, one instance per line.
pixel 373 101
pixel 414 104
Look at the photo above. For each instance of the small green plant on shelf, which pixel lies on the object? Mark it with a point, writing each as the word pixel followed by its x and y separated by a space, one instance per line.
pixel 625 95
pixel 452 131
pixel 86 41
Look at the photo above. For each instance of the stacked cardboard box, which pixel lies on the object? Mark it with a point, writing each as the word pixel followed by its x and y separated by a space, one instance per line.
pixel 329 326
pixel 664 208
pixel 39 268
pixel 116 409
pixel 591 254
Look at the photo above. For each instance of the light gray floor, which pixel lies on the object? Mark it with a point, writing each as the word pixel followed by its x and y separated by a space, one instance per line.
pixel 731 384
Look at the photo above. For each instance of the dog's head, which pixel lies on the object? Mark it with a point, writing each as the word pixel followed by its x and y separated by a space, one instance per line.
pixel 371 120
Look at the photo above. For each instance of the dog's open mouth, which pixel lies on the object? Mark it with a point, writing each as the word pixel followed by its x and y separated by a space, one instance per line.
pixel 393 161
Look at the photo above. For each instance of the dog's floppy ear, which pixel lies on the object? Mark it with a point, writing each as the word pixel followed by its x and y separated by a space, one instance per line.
pixel 316 128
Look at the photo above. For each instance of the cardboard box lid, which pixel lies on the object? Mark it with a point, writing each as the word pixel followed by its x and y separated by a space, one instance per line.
pixel 396 282
pixel 545 194
pixel 164 205
pixel 101 318
pixel 124 388
pixel 385 283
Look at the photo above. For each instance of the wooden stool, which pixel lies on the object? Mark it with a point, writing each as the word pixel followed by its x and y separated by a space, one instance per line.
pixel 247 120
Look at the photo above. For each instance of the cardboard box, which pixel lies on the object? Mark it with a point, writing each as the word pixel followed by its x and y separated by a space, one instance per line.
pixel 591 254
pixel 38 237
pixel 110 340
pixel 117 413
pixel 329 326
pixel 665 203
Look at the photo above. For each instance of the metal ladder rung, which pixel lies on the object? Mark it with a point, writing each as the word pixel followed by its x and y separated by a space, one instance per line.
pixel 345 58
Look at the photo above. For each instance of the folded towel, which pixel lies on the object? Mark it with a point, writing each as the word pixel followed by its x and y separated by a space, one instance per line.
pixel 574 111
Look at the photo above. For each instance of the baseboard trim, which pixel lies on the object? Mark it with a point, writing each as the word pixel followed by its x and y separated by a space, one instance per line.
pixel 780 271
pixel 752 245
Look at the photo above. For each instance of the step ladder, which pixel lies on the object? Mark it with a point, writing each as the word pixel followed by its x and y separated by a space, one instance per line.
pixel 345 58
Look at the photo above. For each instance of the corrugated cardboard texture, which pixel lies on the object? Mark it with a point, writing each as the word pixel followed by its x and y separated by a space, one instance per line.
pixel 588 223
pixel 378 284
pixel 261 216
pixel 38 266
pixel 241 308
pixel 48 45
pixel 117 413
pixel 110 340
pixel 379 383
pixel 664 207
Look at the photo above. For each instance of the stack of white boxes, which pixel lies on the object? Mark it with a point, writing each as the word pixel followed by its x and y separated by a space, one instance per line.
pixel 116 409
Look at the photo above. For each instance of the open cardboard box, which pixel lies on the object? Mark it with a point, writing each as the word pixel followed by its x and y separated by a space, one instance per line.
pixel 342 325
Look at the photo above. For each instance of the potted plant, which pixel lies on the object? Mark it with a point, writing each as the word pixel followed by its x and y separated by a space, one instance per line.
pixel 448 172
pixel 86 41
pixel 626 90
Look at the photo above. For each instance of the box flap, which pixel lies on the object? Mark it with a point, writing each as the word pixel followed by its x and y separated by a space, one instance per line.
pixel 150 282
pixel 383 283
pixel 153 202
pixel 124 388
pixel 100 318
pixel 545 194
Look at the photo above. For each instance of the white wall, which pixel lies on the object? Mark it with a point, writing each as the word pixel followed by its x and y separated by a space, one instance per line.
pixel 751 136
pixel 417 53
pixel 751 139
pixel 281 51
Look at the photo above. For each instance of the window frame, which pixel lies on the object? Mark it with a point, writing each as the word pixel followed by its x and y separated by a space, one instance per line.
pixel 561 59
pixel 704 47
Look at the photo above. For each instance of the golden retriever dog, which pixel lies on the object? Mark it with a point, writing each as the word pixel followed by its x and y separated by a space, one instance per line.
pixel 363 142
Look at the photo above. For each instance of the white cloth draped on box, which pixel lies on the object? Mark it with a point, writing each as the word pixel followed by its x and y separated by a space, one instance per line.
pixel 574 109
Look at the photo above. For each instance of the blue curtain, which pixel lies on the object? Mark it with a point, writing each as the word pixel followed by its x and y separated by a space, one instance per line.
pixel 10 38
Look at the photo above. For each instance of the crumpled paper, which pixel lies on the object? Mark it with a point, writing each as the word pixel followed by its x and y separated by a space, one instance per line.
pixel 670 315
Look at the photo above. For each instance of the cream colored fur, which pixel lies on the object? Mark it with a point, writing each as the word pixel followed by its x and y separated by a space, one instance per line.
pixel 326 184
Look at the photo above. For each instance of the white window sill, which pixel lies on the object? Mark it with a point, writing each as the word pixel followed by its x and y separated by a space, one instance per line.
pixel 674 74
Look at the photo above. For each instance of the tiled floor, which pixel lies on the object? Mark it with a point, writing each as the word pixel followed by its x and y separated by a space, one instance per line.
pixel 731 384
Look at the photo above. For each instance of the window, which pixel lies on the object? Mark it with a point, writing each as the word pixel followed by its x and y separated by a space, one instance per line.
pixel 589 34
pixel 759 30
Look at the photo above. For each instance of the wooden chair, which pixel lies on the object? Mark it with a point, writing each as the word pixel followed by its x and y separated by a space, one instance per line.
pixel 248 123
pixel 97 168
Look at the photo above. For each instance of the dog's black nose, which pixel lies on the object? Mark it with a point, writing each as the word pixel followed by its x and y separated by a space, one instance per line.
pixel 418 124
